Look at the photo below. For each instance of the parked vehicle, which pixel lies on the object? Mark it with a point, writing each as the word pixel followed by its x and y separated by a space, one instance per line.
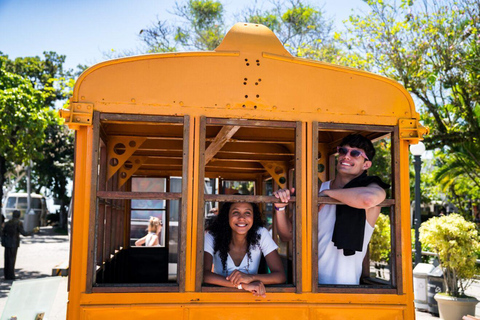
pixel 18 201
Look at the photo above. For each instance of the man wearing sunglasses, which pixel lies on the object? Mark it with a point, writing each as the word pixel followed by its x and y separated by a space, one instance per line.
pixel 344 231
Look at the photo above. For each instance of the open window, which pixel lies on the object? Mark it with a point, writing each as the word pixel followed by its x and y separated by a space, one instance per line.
pixel 245 161
pixel 381 268
pixel 137 175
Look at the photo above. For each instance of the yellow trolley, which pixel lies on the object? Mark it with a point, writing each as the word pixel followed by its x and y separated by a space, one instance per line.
pixel 173 135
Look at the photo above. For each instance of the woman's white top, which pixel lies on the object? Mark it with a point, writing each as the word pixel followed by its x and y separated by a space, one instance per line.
pixel 151 237
pixel 265 246
pixel 333 266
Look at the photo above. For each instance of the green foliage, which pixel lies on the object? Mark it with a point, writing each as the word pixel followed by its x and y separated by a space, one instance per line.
pixel 202 28
pixel 432 48
pixel 31 129
pixel 456 242
pixel 382 163
pixel 380 246
pixel 303 29
pixel 24 116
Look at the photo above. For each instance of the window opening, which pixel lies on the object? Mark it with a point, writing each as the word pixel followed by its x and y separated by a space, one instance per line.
pixel 380 269
pixel 248 161
pixel 138 208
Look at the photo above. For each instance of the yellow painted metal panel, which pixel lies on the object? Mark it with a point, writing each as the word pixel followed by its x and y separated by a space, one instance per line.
pixel 132 312
pixel 248 312
pixel 358 312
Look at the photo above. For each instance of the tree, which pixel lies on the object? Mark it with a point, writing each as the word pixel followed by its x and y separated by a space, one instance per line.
pixel 432 48
pixel 303 29
pixel 54 151
pixel 24 120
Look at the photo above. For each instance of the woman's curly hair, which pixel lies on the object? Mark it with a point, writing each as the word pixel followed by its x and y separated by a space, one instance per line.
pixel 222 232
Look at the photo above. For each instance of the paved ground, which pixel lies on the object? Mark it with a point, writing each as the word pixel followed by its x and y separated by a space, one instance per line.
pixel 37 256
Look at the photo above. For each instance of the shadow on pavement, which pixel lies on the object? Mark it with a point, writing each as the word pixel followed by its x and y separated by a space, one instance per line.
pixel 20 275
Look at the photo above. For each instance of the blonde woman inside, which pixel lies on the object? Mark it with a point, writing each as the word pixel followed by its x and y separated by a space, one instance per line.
pixel 152 239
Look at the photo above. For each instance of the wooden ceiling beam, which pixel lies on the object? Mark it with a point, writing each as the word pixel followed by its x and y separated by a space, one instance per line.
pixel 220 140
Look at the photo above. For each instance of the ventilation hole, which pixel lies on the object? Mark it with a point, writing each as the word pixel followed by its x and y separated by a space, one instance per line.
pixel 132 144
pixel 245 79
pixel 321 168
pixel 254 107
pixel 258 64
pixel 248 64
pixel 244 83
pixel 258 96
pixel 119 149
pixel 114 162
pixel 243 106
pixel 257 61
pixel 246 59
pixel 282 180
pixel 319 155
pixel 128 165
pixel 259 80
pixel 246 96
pixel 256 83
pixel 123 175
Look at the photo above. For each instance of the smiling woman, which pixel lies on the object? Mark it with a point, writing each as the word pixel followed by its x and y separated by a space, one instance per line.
pixel 234 244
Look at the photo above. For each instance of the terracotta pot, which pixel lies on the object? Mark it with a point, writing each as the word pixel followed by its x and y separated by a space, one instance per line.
pixel 453 308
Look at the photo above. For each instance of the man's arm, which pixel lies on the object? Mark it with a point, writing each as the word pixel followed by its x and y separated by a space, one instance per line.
pixel 362 198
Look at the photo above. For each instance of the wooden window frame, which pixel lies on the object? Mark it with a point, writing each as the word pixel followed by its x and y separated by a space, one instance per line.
pixel 202 197
pixel 99 196
pixel 396 286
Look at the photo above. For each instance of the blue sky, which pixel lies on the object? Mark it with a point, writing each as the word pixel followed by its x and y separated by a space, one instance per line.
pixel 84 30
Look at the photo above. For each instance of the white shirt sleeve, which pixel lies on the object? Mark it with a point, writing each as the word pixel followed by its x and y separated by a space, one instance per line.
pixel 208 243
pixel 266 242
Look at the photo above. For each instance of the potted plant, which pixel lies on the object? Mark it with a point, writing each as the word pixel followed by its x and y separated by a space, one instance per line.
pixel 455 242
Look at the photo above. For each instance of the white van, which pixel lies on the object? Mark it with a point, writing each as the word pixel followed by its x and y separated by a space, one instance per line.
pixel 18 201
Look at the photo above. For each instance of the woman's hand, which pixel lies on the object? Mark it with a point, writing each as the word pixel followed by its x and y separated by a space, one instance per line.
pixel 255 287
pixel 284 196
pixel 238 277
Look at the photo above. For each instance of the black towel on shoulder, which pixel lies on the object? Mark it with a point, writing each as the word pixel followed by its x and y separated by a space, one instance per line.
pixel 349 229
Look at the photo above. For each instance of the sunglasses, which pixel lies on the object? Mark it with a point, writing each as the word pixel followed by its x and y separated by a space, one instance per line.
pixel 354 153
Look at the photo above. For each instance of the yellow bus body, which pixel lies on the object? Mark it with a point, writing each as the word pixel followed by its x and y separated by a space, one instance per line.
pixel 250 76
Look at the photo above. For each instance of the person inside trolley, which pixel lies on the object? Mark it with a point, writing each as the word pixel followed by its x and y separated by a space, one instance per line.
pixel 234 244
pixel 344 231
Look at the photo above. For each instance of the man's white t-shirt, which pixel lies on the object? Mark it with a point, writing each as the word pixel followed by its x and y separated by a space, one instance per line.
pixel 333 266
pixel 265 246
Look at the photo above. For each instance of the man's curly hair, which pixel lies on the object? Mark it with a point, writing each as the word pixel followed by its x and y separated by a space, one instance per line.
pixel 222 232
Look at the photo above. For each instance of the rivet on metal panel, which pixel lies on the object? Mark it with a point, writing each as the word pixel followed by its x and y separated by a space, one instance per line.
pixel 83 97
pixel 133 100
pixel 78 119
pixel 362 112
pixel 180 103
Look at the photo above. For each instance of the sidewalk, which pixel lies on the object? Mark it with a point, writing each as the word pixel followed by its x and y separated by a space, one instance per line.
pixel 36 257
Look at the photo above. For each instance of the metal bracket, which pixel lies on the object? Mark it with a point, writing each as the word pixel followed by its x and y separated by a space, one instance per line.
pixel 79 114
pixel 278 171
pixel 120 149
pixel 129 168
pixel 411 130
